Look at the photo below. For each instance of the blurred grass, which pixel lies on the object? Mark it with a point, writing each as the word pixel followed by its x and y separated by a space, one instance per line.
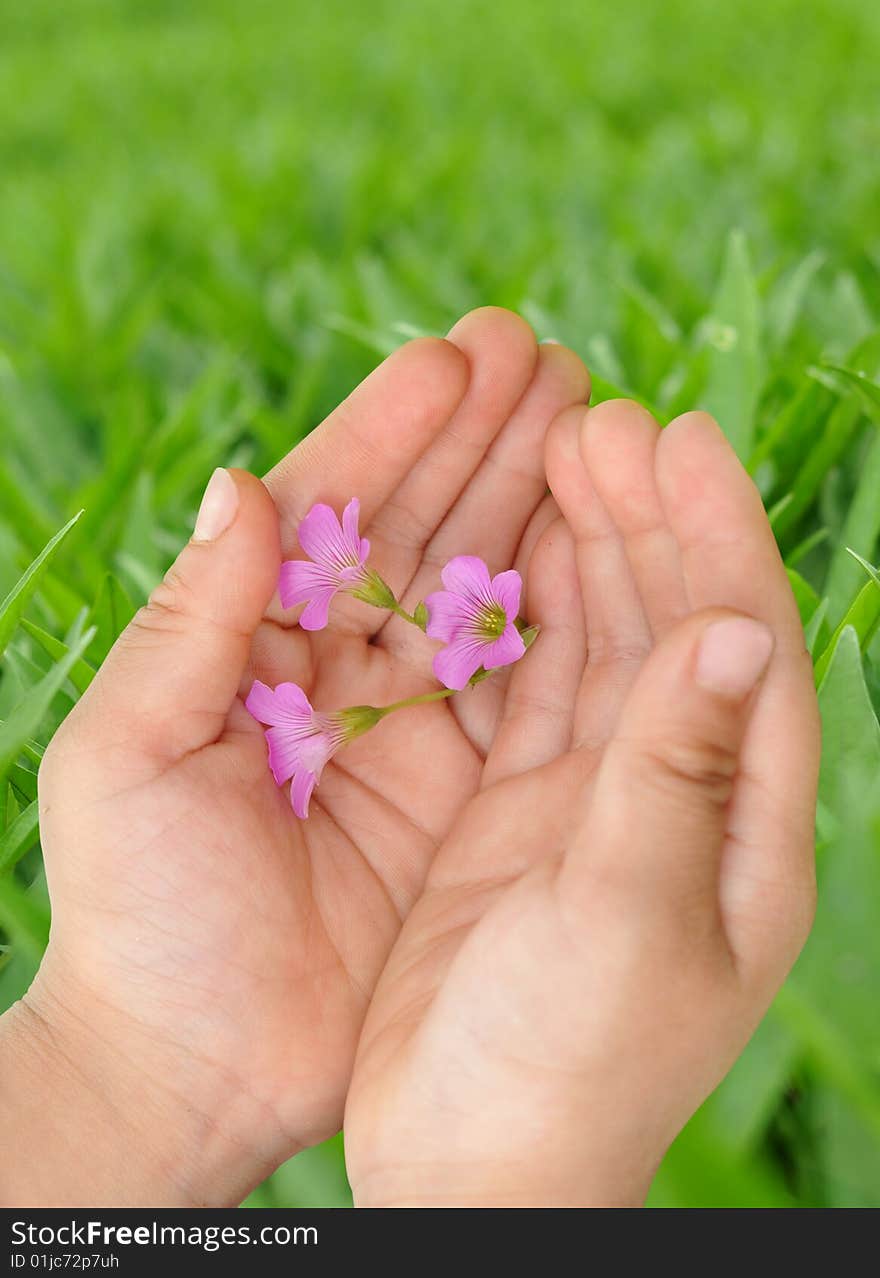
pixel 215 218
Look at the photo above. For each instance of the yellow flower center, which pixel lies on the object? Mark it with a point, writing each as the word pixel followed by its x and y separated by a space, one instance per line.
pixel 492 622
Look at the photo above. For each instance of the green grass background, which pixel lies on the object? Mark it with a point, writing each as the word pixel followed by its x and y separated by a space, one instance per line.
pixel 215 217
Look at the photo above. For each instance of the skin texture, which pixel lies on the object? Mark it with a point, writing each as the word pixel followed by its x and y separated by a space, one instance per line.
pixel 577 886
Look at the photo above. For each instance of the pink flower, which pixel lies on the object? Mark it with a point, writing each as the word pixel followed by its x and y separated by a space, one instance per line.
pixel 300 740
pixel 337 554
pixel 476 617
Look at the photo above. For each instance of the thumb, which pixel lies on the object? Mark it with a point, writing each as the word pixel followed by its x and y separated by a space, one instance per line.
pixel 173 674
pixel 658 814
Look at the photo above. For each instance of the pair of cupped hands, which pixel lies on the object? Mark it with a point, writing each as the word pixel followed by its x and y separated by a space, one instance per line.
pixel 525 931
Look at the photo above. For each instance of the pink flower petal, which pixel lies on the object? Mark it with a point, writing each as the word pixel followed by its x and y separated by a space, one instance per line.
pixel 301 792
pixel 316 749
pixel 320 536
pixel 506 649
pixel 316 612
pixel 446 613
pixel 350 517
pixel 260 702
pixel 293 703
pixel 455 664
pixel 284 755
pixel 300 742
pixel 282 705
pixel 507 589
pixel 299 579
pixel 357 545
pixel 336 554
pixel 467 575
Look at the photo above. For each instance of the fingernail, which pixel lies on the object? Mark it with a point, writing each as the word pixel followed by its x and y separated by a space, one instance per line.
pixel 732 656
pixel 550 341
pixel 219 507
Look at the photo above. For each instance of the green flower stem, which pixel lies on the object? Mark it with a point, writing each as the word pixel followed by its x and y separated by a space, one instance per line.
pixel 356 720
pixel 377 593
pixel 440 695
pixel 407 616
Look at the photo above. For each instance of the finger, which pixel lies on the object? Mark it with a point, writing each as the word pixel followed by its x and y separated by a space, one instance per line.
pixel 501 352
pixel 491 515
pixel 657 816
pixel 728 552
pixel 278 654
pixel 373 439
pixel 538 714
pixel 730 557
pixel 546 514
pixel 618 634
pixel 411 489
pixel 173 674
pixel 618 445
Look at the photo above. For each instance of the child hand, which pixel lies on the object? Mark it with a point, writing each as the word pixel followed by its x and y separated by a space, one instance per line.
pixel 613 912
pixel 211 957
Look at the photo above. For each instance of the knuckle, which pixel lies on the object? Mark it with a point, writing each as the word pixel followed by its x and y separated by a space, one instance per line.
pixel 167 611
pixel 677 763
pixel 608 650
pixel 173 593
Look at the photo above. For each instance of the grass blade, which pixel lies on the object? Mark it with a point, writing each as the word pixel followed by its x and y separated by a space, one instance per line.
pixel 872 572
pixel 26 921
pixel 783 442
pixel 859 534
pixel 803 548
pixel 805 596
pixel 735 365
pixel 110 614
pixel 861 383
pixel 863 615
pixel 816 631
pixel 821 457
pixel 16 601
pixel 28 714
pixel 81 673
pixel 788 301
pixel 19 837
pixel 24 781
